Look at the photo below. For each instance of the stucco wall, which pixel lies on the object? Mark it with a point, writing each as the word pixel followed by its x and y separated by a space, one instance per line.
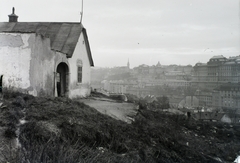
pixel 15 51
pixel 28 63
pixel 80 53
pixel 41 67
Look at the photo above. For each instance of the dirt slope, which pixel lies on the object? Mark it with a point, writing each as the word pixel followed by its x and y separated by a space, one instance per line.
pixel 118 110
pixel 63 130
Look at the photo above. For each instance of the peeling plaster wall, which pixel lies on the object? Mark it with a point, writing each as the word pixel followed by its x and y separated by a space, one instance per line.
pixel 15 51
pixel 28 63
pixel 79 89
pixel 42 67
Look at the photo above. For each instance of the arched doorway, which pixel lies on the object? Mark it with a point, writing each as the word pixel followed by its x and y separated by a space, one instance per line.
pixel 62 79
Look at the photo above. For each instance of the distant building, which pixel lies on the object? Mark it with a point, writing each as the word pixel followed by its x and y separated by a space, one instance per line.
pixel 211 116
pixel 177 83
pixel 200 74
pixel 218 82
pixel 218 70
pixel 205 97
pixel 189 102
pixel 217 117
pixel 227 97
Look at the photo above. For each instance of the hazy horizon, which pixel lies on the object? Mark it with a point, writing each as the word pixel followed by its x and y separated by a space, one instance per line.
pixel 145 32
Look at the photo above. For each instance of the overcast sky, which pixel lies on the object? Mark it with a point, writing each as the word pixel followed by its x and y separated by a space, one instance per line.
pixel 144 31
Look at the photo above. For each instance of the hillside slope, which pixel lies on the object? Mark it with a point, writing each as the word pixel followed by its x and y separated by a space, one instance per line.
pixel 63 130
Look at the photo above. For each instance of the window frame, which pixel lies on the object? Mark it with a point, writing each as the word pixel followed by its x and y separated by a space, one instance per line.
pixel 79 71
pixel 79 74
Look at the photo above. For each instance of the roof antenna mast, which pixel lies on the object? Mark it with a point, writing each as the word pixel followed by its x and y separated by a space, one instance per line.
pixel 81 13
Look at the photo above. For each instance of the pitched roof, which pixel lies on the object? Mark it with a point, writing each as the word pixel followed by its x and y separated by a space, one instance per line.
pixel 63 36
pixel 209 116
pixel 200 64
pixel 218 57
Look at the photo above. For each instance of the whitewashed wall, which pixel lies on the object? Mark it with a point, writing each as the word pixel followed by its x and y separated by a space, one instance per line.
pixel 80 53
pixel 15 52
pixel 42 67
pixel 28 64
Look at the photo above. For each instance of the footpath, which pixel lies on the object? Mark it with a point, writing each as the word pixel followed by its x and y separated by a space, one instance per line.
pixel 119 110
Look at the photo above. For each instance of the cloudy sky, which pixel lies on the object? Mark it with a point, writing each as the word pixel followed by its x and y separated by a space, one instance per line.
pixel 144 31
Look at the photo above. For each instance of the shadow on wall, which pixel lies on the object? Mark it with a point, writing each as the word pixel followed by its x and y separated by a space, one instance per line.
pixel 1 83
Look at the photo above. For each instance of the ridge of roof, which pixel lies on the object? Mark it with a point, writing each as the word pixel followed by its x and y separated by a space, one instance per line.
pixel 218 57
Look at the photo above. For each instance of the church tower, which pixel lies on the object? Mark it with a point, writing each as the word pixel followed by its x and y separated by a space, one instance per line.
pixel 128 64
pixel 158 64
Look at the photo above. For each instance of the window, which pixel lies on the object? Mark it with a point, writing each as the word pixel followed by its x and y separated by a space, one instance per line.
pixel 79 74
pixel 79 70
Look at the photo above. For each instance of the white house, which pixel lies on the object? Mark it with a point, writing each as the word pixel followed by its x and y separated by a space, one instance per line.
pixel 45 58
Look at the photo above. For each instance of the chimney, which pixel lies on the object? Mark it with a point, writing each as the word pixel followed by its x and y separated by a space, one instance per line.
pixel 13 17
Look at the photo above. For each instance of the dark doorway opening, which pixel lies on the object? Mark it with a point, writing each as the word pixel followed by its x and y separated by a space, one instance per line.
pixel 62 79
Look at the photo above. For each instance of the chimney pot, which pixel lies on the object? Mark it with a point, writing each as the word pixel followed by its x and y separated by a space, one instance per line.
pixel 13 17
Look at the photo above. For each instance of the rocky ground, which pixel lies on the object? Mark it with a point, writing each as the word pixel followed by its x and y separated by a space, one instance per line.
pixel 64 130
